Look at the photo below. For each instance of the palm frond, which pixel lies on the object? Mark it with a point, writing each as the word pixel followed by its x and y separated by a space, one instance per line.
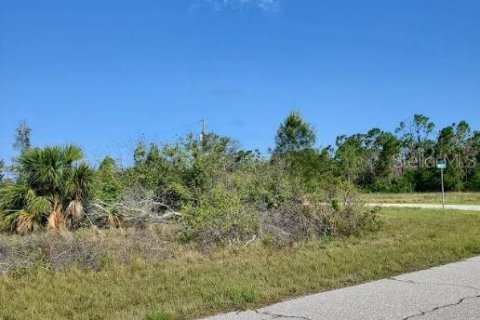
pixel 56 220
pixel 7 220
pixel 39 205
pixel 13 196
pixel 72 153
pixel 80 182
pixel 20 221
pixel 43 168
pixel 25 222
pixel 75 210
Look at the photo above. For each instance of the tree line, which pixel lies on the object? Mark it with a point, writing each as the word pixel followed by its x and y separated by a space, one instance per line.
pixel 405 160
pixel 217 190
pixel 382 161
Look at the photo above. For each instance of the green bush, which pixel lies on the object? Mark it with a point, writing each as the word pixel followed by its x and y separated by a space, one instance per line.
pixel 215 192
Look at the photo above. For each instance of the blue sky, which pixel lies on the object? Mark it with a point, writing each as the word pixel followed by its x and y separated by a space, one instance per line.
pixel 102 73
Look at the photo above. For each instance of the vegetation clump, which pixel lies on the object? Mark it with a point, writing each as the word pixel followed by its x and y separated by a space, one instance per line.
pixel 51 189
pixel 208 190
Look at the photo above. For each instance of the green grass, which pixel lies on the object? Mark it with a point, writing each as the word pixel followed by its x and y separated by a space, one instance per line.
pixel 198 284
pixel 450 198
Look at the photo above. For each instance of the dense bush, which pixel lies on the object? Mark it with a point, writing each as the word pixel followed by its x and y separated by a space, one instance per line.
pixel 206 191
pixel 210 190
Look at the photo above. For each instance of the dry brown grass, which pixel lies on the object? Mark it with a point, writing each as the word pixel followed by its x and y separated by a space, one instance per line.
pixel 139 282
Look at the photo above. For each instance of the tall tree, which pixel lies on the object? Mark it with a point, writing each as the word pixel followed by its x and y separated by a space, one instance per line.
pixel 416 133
pixel 473 161
pixel 453 144
pixel 22 138
pixel 2 166
pixel 417 148
pixel 387 148
pixel 446 141
pixel 140 152
pixel 351 156
pixel 108 186
pixel 294 134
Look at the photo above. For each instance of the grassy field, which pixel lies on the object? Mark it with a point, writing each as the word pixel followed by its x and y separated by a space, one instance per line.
pixel 197 284
pixel 450 197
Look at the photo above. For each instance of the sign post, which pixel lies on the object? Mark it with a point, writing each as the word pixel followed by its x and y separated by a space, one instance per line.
pixel 442 165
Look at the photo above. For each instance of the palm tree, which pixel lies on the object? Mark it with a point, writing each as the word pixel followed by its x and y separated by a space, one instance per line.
pixel 21 209
pixel 53 189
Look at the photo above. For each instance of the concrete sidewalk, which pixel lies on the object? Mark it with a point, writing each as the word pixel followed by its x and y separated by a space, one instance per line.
pixel 463 207
pixel 447 292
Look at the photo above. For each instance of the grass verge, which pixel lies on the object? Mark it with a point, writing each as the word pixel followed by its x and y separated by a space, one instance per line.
pixel 472 198
pixel 196 284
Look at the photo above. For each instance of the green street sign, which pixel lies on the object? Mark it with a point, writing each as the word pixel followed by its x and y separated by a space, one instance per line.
pixel 441 164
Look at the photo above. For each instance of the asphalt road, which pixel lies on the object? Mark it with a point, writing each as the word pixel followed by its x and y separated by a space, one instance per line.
pixel 427 206
pixel 447 292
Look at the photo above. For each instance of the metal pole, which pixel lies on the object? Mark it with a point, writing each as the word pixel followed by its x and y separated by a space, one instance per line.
pixel 443 191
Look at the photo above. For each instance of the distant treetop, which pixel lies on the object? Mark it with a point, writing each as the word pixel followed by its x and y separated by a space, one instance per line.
pixel 294 134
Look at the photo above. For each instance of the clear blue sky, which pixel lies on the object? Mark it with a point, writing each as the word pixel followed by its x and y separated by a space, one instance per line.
pixel 102 73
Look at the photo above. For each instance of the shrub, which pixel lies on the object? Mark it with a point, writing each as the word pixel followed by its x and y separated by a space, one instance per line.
pixel 54 187
pixel 270 204
pixel 207 191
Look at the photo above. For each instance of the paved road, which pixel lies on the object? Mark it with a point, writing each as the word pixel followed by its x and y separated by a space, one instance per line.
pixel 442 293
pixel 427 206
